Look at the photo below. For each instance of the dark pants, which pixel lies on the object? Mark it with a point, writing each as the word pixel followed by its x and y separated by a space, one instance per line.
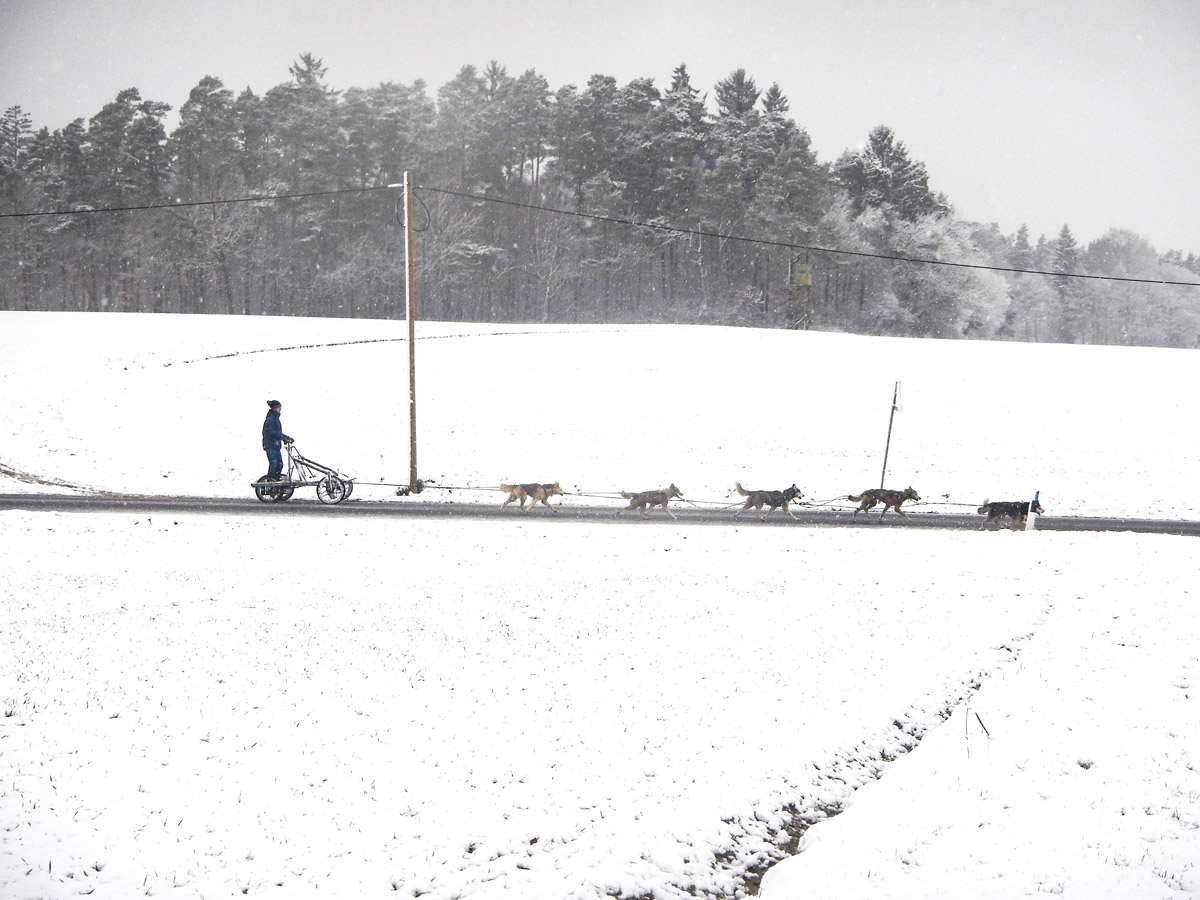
pixel 275 461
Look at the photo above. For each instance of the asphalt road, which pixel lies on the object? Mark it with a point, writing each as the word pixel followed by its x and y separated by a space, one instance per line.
pixel 438 507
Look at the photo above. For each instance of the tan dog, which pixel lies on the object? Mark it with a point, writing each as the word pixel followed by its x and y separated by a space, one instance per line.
pixel 770 499
pixel 534 493
pixel 889 499
pixel 650 499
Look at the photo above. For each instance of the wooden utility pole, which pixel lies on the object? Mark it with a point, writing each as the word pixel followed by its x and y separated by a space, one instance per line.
pixel 410 302
pixel 888 445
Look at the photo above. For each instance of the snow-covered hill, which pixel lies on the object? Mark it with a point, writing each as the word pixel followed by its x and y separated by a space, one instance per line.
pixel 211 706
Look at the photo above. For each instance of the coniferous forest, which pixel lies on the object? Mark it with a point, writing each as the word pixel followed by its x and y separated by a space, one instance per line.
pixel 607 203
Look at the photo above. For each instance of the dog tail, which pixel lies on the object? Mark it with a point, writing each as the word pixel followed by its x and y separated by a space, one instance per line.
pixel 627 495
pixel 506 487
pixel 855 499
pixel 985 508
pixel 741 490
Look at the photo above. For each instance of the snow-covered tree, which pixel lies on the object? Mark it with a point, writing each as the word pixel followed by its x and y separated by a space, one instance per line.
pixel 883 176
pixel 1071 296
pixel 680 129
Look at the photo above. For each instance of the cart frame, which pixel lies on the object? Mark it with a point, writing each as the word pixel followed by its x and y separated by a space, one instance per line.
pixel 332 486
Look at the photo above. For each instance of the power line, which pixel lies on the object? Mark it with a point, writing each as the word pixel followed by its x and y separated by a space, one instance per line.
pixel 809 247
pixel 183 204
pixel 633 223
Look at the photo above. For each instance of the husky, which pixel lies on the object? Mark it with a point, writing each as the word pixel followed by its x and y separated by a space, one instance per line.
pixel 1016 511
pixel 534 493
pixel 889 499
pixel 771 499
pixel 644 500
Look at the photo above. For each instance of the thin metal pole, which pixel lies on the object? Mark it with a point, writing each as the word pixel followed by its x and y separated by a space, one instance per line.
pixel 410 302
pixel 888 446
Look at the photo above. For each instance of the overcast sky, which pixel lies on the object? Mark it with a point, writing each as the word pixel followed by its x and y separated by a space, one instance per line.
pixel 1046 112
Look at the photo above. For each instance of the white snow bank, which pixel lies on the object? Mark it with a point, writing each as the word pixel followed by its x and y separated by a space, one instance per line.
pixel 208 706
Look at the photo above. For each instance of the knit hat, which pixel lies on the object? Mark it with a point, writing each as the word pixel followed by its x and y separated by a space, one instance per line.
pixel 273 403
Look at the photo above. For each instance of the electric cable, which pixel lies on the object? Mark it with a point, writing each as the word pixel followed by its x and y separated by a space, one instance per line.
pixel 614 220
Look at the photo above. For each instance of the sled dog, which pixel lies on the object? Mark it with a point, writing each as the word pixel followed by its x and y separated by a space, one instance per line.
pixel 534 493
pixel 770 499
pixel 1016 511
pixel 889 499
pixel 644 500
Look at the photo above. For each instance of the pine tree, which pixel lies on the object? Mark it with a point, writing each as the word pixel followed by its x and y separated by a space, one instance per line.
pixel 532 113
pixel 306 149
pixel 790 195
pixel 456 131
pixel 737 95
pixel 205 142
pixel 308 71
pixel 1066 260
pixel 250 158
pixel 637 161
pixel 388 131
pixel 497 146
pixel 1021 255
pixel 16 132
pixel 1066 254
pixel 883 176
pixel 126 151
pixel 681 131
pixel 742 148
pixel 586 131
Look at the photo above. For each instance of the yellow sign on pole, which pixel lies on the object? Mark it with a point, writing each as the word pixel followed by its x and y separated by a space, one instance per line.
pixel 801 276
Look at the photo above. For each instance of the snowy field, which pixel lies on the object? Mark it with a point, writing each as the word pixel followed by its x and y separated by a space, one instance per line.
pixel 205 706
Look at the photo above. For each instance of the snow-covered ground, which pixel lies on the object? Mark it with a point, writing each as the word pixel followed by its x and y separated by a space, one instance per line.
pixel 215 706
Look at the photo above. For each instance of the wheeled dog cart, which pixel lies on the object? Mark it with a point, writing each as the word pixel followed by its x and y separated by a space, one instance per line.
pixel 332 486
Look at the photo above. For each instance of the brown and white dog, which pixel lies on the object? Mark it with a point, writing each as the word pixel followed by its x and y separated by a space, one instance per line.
pixel 644 500
pixel 770 499
pixel 889 499
pixel 534 493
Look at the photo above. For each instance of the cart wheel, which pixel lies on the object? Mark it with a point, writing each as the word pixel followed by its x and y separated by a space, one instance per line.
pixel 271 493
pixel 349 483
pixel 265 493
pixel 331 489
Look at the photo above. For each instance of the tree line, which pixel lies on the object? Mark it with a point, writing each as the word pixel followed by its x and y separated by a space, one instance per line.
pixel 610 203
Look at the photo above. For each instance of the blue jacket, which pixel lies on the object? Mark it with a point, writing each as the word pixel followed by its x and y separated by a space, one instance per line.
pixel 273 436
